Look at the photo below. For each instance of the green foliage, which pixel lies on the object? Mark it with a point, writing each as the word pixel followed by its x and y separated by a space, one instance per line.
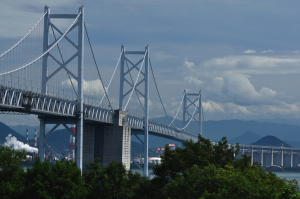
pixel 202 153
pixel 61 180
pixel 204 170
pixel 110 181
pixel 12 175
pixel 228 182
pixel 200 170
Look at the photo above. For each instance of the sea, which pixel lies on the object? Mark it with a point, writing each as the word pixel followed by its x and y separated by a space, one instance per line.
pixel 289 176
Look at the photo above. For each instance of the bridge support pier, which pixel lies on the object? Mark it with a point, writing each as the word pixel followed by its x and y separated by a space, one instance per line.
pixel 114 141
pixel 42 139
pixel 272 157
pixel 291 158
pixel 281 158
pixel 107 142
pixel 262 157
pixel 251 155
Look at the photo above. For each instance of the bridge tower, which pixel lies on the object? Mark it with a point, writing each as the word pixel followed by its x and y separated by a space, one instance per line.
pixel 190 100
pixel 124 78
pixel 79 55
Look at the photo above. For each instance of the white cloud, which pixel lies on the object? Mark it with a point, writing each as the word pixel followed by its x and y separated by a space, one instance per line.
pixel 267 51
pixel 248 64
pixel 90 88
pixel 233 108
pixel 218 82
pixel 249 51
pixel 193 80
pixel 188 64
pixel 211 106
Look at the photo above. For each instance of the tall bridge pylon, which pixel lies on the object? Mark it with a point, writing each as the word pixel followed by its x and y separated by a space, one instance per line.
pixel 125 74
pixel 79 55
pixel 189 102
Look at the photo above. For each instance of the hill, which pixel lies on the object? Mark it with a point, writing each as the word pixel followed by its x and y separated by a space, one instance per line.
pixel 271 141
pixel 59 140
pixel 246 138
pixel 231 129
pixel 5 130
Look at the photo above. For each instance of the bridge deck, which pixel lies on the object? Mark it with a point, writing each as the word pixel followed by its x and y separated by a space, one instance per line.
pixel 27 102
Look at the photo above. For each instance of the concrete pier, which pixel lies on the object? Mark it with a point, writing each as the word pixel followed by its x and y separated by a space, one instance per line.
pixel 107 141
pixel 271 155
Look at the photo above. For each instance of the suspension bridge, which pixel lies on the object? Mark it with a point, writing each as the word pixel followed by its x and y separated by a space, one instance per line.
pixel 52 73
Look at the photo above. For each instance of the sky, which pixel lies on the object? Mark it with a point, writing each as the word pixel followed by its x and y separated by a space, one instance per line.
pixel 244 56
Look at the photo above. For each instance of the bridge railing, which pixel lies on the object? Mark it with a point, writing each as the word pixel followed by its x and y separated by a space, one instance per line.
pixel 18 100
pixel 138 123
pixel 98 114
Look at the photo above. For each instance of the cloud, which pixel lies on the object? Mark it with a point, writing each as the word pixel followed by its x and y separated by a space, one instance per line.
pixel 188 64
pixel 193 80
pixel 233 108
pixel 11 141
pixel 211 106
pixel 252 65
pixel 249 51
pixel 90 88
pixel 267 51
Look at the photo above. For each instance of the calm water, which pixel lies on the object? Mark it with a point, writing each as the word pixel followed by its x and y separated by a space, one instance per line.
pixel 289 175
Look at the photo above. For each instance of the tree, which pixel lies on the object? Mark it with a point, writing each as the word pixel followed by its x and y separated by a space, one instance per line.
pixel 110 181
pixel 201 153
pixel 204 170
pixel 61 180
pixel 12 175
pixel 228 182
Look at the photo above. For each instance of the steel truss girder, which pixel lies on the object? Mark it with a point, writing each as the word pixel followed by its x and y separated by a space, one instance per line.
pixel 97 114
pixel 138 123
pixel 23 102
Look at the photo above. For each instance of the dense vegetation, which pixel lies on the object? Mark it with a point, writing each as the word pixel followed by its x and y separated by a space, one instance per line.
pixel 199 170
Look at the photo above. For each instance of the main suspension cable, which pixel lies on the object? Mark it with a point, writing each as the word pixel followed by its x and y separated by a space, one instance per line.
pixel 97 65
pixel 24 36
pixel 111 77
pixel 164 106
pixel 159 95
pixel 177 110
pixel 64 62
pixel 53 45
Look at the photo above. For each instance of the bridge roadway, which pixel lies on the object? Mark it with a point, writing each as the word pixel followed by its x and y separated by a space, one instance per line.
pixel 271 155
pixel 27 102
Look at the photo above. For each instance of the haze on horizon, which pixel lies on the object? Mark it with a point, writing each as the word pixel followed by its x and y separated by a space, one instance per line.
pixel 243 55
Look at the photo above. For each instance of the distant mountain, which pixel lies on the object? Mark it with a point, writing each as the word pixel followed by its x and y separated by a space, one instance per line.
pixel 59 140
pixel 231 129
pixel 246 138
pixel 21 129
pixel 271 141
pixel 5 130
pixel 295 144
pixel 281 121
